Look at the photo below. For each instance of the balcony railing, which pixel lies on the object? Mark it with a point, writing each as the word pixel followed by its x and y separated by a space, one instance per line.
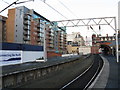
pixel 38 35
pixel 51 42
pixel 26 28
pixel 50 46
pixel 26 17
pixel 27 22
pixel 25 33
pixel 50 38
pixel 37 30
pixel 38 25
pixel 38 40
pixel 65 37
pixel 26 39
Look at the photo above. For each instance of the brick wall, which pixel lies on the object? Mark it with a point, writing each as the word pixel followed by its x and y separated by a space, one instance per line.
pixel 53 54
pixel 95 49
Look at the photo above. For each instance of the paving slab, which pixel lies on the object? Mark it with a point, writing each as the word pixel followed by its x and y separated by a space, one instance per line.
pixel 108 77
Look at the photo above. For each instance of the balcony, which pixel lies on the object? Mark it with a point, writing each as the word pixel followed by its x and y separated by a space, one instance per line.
pixel 38 35
pixel 25 33
pixel 49 46
pixel 41 39
pixel 37 30
pixel 64 37
pixel 61 44
pixel 50 35
pixel 65 40
pixel 49 31
pixel 26 28
pixel 26 39
pixel 51 42
pixel 38 25
pixel 38 40
pixel 27 16
pixel 27 22
pixel 50 38
pixel 61 47
pixel 61 41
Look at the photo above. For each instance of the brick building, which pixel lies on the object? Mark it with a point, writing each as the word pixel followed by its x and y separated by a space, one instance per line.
pixel 104 42
pixel 55 40
pixel 26 26
pixel 3 28
pixel 74 41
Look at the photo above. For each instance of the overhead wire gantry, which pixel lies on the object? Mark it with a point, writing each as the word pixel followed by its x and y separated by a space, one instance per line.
pixel 89 22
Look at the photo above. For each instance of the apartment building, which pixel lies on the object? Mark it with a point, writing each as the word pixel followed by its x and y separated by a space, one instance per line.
pixel 28 27
pixel 62 40
pixel 3 28
pixel 25 26
pixel 55 40
pixel 37 29
pixel 74 41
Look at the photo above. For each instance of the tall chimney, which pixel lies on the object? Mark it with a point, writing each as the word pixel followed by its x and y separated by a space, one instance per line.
pixel 107 35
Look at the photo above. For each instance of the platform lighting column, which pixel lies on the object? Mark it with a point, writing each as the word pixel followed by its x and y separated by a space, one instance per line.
pixel 117 53
pixel 116 30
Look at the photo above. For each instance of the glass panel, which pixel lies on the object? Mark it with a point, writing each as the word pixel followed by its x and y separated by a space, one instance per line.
pixel 35 16
pixel 28 32
pixel 28 17
pixel 28 22
pixel 28 27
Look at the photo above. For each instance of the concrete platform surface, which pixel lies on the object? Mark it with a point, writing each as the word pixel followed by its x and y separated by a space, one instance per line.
pixel 6 70
pixel 109 77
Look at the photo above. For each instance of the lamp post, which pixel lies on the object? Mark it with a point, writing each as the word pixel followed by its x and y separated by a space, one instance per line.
pixel 117 53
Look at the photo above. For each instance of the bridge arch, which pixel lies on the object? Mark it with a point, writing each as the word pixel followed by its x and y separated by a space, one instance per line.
pixel 106 49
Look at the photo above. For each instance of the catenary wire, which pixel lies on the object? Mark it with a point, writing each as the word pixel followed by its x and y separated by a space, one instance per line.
pixel 50 7
pixel 54 9
pixel 16 3
pixel 72 13
pixel 67 8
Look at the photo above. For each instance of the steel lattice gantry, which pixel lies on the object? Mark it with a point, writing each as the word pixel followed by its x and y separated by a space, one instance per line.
pixel 111 21
pixel 88 22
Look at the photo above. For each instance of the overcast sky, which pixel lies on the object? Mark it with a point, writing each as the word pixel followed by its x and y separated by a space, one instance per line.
pixel 75 9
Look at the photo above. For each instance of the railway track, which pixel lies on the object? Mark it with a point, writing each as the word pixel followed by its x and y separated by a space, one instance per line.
pixel 85 79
